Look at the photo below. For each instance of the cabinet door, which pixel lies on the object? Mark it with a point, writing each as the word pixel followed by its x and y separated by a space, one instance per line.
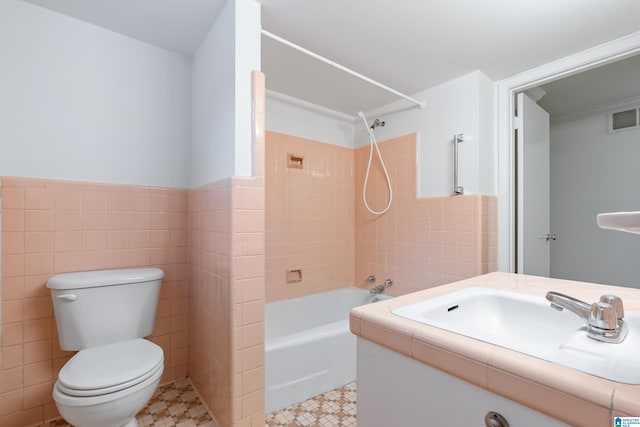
pixel 394 390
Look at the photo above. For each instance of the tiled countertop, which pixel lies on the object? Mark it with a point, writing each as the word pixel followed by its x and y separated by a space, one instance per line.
pixel 569 395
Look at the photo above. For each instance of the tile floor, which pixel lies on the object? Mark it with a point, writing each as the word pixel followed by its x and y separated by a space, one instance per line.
pixel 177 404
pixel 335 408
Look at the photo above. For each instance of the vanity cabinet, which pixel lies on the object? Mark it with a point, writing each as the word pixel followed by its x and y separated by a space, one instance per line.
pixel 395 390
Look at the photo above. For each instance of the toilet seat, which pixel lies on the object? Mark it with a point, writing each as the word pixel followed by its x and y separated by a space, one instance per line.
pixel 110 368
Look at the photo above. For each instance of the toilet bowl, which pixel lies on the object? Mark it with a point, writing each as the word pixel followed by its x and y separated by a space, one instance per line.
pixel 104 315
pixel 107 386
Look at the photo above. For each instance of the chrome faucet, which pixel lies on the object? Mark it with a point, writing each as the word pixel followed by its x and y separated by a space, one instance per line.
pixel 376 289
pixel 379 289
pixel 604 319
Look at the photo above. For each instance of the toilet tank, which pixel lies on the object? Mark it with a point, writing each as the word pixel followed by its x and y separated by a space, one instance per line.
pixel 101 307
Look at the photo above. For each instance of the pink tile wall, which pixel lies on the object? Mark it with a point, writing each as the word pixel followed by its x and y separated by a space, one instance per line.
pixel 227 296
pixel 419 243
pixel 316 220
pixel 248 298
pixel 209 299
pixel 226 328
pixel 51 227
pixel 309 216
pixel 248 275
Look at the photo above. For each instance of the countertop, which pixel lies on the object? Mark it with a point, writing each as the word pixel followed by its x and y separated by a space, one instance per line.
pixel 572 396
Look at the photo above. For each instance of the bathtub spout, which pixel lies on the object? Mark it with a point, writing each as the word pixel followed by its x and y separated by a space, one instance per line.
pixel 377 289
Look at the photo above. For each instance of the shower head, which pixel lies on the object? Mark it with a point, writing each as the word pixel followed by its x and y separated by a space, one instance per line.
pixel 376 123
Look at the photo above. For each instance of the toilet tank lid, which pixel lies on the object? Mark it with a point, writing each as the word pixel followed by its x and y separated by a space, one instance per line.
pixel 92 279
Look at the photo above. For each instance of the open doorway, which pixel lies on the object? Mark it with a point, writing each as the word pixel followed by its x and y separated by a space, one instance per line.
pixel 578 141
pixel 606 53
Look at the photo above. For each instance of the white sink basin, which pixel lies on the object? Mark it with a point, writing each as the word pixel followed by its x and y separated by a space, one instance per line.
pixel 527 324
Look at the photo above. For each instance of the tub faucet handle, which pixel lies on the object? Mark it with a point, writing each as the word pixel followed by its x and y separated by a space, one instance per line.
pixel 388 283
pixel 371 279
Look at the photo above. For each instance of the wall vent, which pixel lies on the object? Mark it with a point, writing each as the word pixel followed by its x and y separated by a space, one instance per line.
pixel 624 120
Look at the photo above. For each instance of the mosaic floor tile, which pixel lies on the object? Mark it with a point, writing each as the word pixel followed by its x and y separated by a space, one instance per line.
pixel 178 405
pixel 335 408
pixel 175 404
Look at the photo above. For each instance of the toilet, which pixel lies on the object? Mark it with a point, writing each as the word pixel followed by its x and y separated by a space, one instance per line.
pixel 104 315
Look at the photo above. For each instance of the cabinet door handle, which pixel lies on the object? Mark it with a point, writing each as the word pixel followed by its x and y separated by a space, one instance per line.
pixel 494 419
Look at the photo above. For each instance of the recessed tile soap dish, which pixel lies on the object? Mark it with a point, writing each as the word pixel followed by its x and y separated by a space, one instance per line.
pixel 623 221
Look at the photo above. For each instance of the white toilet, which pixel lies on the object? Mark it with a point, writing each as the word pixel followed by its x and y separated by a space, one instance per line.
pixel 104 314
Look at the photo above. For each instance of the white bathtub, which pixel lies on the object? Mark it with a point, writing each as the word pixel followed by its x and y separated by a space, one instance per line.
pixel 309 349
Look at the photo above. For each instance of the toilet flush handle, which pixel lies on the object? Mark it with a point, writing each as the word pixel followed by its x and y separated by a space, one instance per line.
pixel 68 297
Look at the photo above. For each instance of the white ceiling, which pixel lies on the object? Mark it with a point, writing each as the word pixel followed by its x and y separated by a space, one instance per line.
pixel 610 84
pixel 177 25
pixel 410 45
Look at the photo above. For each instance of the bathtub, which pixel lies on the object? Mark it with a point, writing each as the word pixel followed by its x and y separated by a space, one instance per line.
pixel 308 346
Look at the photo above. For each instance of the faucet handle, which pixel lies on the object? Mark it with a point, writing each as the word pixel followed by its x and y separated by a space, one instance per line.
pixel 371 278
pixel 616 302
pixel 603 316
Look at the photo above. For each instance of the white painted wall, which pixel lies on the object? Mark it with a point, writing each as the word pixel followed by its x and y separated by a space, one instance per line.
pixel 463 105
pixel 295 117
pixel 593 172
pixel 213 100
pixel 221 94
pixel 487 148
pixel 79 102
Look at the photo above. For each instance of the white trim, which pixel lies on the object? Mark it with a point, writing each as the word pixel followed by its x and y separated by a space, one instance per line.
pixel 599 55
pixel 420 104
pixel 520 167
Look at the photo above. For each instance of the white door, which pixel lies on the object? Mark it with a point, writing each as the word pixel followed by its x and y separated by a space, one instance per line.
pixel 534 234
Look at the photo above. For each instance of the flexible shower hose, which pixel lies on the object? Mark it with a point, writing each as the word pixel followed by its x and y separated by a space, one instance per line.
pixel 372 143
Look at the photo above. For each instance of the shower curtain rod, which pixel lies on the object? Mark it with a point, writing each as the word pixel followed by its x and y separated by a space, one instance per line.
pixel 420 104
